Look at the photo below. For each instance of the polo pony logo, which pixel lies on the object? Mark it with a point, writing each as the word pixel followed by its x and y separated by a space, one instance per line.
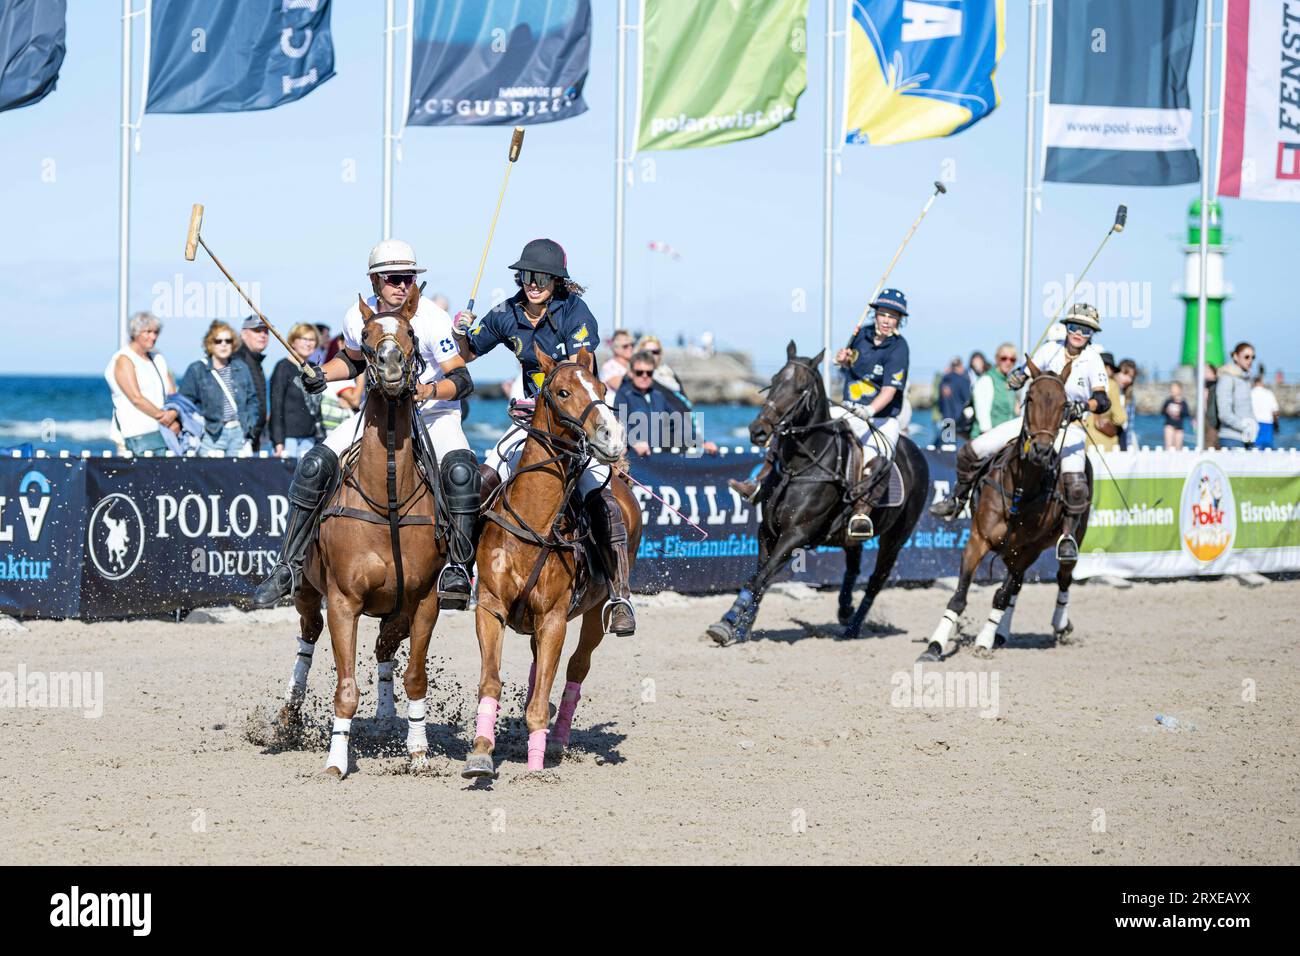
pixel 115 537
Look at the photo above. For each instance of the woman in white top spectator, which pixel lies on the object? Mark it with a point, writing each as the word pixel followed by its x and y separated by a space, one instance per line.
pixel 140 382
pixel 1266 408
pixel 615 369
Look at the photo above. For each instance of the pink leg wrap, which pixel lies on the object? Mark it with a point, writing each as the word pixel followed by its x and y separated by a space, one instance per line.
pixel 537 750
pixel 564 716
pixel 532 679
pixel 486 725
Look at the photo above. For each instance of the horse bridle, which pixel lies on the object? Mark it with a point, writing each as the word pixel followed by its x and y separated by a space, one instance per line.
pixel 413 364
pixel 1027 435
pixel 781 426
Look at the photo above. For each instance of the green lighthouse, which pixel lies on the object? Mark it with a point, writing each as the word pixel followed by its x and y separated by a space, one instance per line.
pixel 1216 290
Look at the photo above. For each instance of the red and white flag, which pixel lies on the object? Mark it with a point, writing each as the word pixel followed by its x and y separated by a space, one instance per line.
pixel 1259 136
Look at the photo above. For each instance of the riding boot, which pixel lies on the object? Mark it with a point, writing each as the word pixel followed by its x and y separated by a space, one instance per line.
pixel 312 480
pixel 1078 496
pixel 610 535
pixel 753 488
pixel 968 464
pixel 460 487
pixel 860 527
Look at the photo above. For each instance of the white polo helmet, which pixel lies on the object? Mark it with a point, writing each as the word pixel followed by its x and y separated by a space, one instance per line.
pixel 1084 314
pixel 393 255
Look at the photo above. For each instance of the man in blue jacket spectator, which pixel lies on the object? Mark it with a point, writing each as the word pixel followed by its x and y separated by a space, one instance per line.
pixel 653 415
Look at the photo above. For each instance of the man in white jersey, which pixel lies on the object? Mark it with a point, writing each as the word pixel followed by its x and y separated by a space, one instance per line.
pixel 1085 391
pixel 442 384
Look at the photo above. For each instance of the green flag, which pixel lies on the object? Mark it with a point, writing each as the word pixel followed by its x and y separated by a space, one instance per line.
pixel 715 71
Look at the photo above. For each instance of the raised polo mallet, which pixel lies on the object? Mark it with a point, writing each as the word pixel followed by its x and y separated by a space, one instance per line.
pixel 192 241
pixel 939 189
pixel 1121 220
pixel 516 144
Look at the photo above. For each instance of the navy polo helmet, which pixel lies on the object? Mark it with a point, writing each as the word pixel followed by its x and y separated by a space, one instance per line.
pixel 891 299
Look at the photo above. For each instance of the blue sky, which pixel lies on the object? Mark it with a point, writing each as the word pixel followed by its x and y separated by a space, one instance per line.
pixel 282 212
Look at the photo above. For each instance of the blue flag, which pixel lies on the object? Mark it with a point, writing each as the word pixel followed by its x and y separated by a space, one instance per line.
pixel 226 56
pixel 31 50
pixel 1118 109
pixel 498 62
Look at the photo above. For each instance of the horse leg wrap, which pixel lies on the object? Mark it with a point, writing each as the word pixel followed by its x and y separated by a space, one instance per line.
pixel 943 633
pixel 461 484
pixel 386 706
pixel 537 750
pixel 739 606
pixel 985 639
pixel 297 689
pixel 1061 616
pixel 564 716
pixel 417 741
pixel 485 725
pixel 338 758
pixel 1004 626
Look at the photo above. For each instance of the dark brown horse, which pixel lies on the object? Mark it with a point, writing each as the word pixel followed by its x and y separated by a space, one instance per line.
pixel 529 577
pixel 1017 511
pixel 378 553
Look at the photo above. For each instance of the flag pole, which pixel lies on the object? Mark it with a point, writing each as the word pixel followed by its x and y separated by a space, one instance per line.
pixel 828 195
pixel 620 163
pixel 124 182
pixel 1027 236
pixel 1202 302
pixel 387 211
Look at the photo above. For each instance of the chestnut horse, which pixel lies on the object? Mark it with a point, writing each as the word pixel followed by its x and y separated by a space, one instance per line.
pixel 528 572
pixel 1017 511
pixel 378 552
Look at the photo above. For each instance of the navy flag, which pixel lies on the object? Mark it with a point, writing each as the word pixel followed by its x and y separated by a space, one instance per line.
pixel 227 56
pixel 498 62
pixel 31 50
pixel 1118 109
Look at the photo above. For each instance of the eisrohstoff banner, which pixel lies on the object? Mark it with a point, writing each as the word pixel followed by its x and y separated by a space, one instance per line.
pixel 1118 110
pixel 1189 514
pixel 1259 137
pixel 918 70
pixel 498 62
pixel 717 71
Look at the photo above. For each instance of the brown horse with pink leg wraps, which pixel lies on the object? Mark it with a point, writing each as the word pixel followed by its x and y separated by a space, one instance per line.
pixel 537 566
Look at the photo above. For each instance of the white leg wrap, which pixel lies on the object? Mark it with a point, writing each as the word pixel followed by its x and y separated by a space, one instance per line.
pixel 297 688
pixel 386 708
pixel 985 640
pixel 1004 628
pixel 1061 616
pixel 417 741
pixel 338 758
pixel 943 633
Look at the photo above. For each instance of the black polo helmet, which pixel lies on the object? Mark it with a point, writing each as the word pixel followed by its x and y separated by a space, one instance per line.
pixel 543 255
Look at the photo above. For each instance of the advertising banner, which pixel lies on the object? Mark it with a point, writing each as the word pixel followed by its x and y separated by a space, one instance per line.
pixel 42 517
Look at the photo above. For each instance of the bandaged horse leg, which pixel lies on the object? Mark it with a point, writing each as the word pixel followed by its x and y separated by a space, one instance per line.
pixel 1004 626
pixel 886 556
pixel 943 641
pixel 416 680
pixel 461 488
pixel 593 632
pixel 392 631
pixel 343 635
pixel 1061 623
pixel 611 538
pixel 386 708
pixel 852 568
pixel 490 631
pixel 312 479
pixel 990 634
pixel 307 602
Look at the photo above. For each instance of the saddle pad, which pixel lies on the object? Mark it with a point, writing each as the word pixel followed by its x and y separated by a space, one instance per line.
pixel 897 493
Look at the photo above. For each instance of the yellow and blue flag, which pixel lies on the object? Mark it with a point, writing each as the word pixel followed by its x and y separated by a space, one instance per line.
pixel 920 69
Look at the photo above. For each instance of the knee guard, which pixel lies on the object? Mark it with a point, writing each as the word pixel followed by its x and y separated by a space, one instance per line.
pixel 461 481
pixel 1078 495
pixel 312 478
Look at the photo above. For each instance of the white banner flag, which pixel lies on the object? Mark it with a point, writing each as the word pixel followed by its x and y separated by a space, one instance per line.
pixel 1259 136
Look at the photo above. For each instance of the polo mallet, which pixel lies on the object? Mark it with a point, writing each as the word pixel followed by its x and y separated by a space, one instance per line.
pixel 192 241
pixel 939 189
pixel 516 144
pixel 1121 219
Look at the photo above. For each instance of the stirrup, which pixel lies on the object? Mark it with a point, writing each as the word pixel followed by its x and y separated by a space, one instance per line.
pixel 860 528
pixel 607 615
pixel 1066 543
pixel 450 600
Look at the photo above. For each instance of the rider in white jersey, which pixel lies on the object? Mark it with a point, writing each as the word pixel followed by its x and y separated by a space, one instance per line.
pixel 1085 391
pixel 443 382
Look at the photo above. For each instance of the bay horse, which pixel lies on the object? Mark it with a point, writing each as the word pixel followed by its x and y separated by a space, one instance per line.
pixel 531 576
pixel 378 551
pixel 1017 510
pixel 813 498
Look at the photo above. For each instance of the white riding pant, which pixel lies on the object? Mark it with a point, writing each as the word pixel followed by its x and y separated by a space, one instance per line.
pixel 1072 443
pixel 442 425
pixel 505 454
pixel 879 440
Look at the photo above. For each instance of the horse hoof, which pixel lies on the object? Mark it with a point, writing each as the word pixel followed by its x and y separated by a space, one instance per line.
pixel 334 772
pixel 478 765
pixel 933 654
pixel 983 653
pixel 419 762
pixel 844 615
pixel 288 716
pixel 721 632
pixel 999 640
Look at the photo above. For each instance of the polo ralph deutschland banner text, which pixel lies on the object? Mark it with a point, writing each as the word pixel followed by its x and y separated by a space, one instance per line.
pixel 1118 109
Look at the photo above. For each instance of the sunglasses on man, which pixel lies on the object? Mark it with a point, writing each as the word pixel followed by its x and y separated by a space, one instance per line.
pixel 642 373
pixel 1006 358
pixel 542 280
pixel 399 278
pixel 1074 328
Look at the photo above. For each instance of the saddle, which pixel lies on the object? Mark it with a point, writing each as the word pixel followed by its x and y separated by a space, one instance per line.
pixel 855 473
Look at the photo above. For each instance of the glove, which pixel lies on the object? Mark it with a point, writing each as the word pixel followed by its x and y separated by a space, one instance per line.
pixel 1016 379
pixel 521 409
pixel 314 383
pixel 1075 411
pixel 463 320
pixel 856 410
